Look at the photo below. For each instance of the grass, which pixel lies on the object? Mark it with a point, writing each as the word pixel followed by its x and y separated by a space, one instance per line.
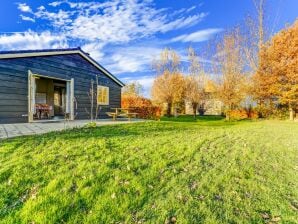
pixel 203 171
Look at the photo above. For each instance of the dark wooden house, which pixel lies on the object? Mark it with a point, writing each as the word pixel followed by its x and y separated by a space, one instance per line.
pixel 52 84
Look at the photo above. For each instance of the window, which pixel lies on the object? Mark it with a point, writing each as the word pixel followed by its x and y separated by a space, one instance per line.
pixel 40 98
pixel 102 95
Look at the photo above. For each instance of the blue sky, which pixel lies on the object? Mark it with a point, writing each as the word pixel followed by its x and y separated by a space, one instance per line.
pixel 125 35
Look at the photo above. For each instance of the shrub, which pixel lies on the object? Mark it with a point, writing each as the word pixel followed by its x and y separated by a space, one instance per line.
pixel 272 112
pixel 253 114
pixel 280 113
pixel 151 112
pixel 90 125
pixel 142 106
pixel 263 111
pixel 237 114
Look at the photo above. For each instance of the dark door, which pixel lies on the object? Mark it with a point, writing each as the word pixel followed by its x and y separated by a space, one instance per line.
pixel 59 100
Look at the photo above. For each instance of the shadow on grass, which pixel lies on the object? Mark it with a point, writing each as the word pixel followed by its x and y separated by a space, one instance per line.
pixel 190 118
pixel 127 130
pixel 106 131
pixel 206 120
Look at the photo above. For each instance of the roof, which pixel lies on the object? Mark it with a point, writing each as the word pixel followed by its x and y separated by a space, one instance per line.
pixel 48 52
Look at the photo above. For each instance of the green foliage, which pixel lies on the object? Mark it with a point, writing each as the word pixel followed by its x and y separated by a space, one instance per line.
pixel 200 171
pixel 90 125
pixel 272 112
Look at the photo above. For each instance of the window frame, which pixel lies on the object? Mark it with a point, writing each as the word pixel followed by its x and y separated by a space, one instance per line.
pixel 107 102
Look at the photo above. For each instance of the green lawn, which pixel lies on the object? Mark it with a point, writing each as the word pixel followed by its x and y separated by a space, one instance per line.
pixel 203 171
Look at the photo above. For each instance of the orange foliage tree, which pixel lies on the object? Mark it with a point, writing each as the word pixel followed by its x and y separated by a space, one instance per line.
pixel 277 76
pixel 168 87
pixel 231 89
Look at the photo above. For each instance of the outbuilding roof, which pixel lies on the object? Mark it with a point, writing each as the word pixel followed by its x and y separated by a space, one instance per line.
pixel 48 52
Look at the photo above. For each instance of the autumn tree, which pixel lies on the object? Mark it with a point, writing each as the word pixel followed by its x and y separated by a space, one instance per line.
pixel 195 82
pixel 131 95
pixel 132 89
pixel 229 64
pixel 168 87
pixel 277 75
pixel 255 32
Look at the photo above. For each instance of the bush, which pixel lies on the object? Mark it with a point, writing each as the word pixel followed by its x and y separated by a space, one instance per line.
pixel 253 114
pixel 263 111
pixel 241 114
pixel 272 112
pixel 90 125
pixel 142 106
pixel 151 112
pixel 280 113
pixel 238 114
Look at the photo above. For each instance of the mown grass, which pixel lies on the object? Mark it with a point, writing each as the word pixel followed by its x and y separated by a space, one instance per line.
pixel 203 171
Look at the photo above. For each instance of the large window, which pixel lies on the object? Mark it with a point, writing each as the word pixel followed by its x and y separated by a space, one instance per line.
pixel 102 95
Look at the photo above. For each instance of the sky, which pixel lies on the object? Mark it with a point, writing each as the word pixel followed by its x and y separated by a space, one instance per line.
pixel 126 35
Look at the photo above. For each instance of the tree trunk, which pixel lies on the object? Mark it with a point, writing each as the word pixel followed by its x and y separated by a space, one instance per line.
pixel 228 113
pixel 194 108
pixel 92 95
pixel 227 116
pixel 175 111
pixel 169 108
pixel 292 113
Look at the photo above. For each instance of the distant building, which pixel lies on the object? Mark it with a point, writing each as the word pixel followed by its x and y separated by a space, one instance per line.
pixel 211 107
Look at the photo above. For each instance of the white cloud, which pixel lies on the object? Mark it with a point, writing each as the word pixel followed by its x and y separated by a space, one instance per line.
pixel 55 4
pixel 57 19
pixel 24 7
pixel 117 21
pixel 95 50
pixel 41 8
pixel 104 27
pixel 131 59
pixel 27 18
pixel 31 40
pixel 199 36
pixel 182 22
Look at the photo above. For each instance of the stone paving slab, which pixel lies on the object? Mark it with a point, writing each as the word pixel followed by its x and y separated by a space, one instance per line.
pixel 20 129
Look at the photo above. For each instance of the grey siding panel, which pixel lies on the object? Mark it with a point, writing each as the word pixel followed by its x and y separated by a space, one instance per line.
pixel 14 84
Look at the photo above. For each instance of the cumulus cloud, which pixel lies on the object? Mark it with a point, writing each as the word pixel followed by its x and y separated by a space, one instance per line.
pixel 57 19
pixel 198 36
pixel 118 21
pixel 95 49
pixel 27 18
pixel 31 40
pixel 102 27
pixel 23 7
pixel 131 59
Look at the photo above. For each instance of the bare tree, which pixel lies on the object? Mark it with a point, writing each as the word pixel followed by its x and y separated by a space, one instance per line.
pixel 98 107
pixel 230 65
pixel 92 95
pixel 195 82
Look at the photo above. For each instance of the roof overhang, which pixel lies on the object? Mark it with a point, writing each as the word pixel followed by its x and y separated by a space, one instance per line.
pixel 24 54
